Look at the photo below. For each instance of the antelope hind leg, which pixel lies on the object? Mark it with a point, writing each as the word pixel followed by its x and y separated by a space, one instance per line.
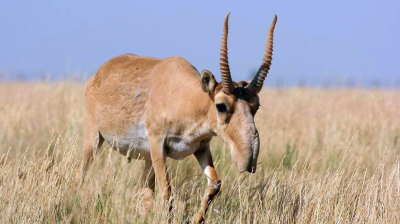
pixel 92 141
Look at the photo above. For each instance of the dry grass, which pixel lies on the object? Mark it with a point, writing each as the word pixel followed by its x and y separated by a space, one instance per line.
pixel 327 156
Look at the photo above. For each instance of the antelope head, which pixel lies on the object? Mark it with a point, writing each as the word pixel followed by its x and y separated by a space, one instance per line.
pixel 236 103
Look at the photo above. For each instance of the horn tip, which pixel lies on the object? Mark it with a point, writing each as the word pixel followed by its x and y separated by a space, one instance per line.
pixel 227 16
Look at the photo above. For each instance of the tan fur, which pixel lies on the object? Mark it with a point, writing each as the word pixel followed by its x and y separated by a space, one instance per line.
pixel 151 109
pixel 166 94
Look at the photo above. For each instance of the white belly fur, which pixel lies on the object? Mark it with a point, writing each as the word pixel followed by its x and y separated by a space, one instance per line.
pixel 136 140
pixel 179 148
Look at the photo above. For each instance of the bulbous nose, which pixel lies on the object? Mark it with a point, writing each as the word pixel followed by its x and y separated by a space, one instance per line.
pixel 255 149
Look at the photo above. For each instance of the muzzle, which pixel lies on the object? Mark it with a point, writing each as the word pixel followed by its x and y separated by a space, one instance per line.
pixel 255 147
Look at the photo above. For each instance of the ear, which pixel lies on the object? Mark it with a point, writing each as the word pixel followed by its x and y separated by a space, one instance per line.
pixel 208 82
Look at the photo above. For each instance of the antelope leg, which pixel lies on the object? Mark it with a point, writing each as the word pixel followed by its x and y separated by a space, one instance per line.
pixel 204 158
pixel 159 161
pixel 148 184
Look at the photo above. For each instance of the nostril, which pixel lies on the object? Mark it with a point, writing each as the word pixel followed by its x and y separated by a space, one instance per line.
pixel 256 135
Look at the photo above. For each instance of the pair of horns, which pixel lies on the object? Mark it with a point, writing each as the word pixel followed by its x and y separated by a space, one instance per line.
pixel 258 80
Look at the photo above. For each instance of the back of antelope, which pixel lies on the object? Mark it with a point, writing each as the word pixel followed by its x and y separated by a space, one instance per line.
pixel 151 109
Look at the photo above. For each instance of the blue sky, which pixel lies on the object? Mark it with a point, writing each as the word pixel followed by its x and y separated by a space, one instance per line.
pixel 315 41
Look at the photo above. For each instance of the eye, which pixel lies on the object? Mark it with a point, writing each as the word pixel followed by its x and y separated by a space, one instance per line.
pixel 221 107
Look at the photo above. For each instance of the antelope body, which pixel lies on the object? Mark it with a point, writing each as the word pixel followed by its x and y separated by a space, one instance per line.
pixel 151 109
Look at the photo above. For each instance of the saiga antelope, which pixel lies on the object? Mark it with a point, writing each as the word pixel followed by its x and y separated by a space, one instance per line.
pixel 151 109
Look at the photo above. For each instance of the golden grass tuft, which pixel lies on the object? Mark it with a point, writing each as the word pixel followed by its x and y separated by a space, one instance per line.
pixel 327 156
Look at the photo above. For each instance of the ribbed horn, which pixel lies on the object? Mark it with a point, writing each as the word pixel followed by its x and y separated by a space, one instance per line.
pixel 258 80
pixel 227 84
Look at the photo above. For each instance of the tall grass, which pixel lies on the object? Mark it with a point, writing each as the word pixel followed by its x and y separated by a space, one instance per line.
pixel 327 156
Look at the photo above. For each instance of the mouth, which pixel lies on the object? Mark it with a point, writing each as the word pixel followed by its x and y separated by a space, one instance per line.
pixel 251 168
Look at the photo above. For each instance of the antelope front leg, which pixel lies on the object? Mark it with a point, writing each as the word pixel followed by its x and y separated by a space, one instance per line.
pixel 158 158
pixel 204 158
pixel 148 183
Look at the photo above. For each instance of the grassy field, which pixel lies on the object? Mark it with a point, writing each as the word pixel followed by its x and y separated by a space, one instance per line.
pixel 326 156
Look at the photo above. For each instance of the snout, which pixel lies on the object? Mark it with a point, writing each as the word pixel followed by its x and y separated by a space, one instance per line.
pixel 249 162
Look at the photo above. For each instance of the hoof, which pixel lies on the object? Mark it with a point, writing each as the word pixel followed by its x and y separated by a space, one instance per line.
pixel 198 218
